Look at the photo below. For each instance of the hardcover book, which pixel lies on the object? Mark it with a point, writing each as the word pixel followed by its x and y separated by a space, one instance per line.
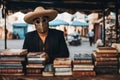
pixel 13 52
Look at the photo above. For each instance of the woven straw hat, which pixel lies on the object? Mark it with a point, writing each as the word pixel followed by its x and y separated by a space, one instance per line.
pixel 39 12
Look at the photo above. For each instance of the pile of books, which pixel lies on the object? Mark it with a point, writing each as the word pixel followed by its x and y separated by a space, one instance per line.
pixel 106 60
pixel 83 65
pixel 35 63
pixel 12 61
pixel 62 67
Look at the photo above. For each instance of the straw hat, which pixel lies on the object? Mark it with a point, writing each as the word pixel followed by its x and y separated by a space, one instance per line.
pixel 39 12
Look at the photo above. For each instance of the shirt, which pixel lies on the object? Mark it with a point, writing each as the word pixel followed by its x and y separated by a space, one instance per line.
pixel 90 33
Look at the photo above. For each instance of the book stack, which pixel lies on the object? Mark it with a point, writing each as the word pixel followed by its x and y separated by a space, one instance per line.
pixel 83 65
pixel 62 67
pixel 12 61
pixel 35 63
pixel 106 60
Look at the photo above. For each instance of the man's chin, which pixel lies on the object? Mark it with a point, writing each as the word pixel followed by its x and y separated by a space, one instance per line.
pixel 42 32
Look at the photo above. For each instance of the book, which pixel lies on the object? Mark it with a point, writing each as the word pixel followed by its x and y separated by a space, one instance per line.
pixel 83 66
pixel 106 50
pixel 83 73
pixel 62 61
pixel 13 52
pixel 63 69
pixel 34 71
pixel 106 59
pixel 12 58
pixel 34 66
pixel 82 57
pixel 63 73
pixel 42 55
pixel 8 70
pixel 99 54
pixel 82 61
pixel 107 63
pixel 48 70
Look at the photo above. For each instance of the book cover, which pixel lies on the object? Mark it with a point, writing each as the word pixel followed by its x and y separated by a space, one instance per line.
pixel 13 52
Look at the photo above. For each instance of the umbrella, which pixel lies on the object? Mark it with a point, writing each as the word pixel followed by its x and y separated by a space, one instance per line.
pixel 58 22
pixel 20 24
pixel 78 23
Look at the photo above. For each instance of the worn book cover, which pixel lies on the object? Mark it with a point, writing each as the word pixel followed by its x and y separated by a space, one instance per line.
pixel 13 52
pixel 83 73
pixel 62 61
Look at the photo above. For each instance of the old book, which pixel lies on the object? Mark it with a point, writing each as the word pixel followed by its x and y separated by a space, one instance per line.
pixel 83 66
pixel 83 69
pixel 98 54
pixel 36 62
pixel 41 55
pixel 34 71
pixel 47 73
pixel 13 74
pixel 106 71
pixel 62 65
pixel 10 62
pixel 107 63
pixel 30 74
pixel 8 70
pixel 48 70
pixel 63 73
pixel 82 61
pixel 62 61
pixel 12 58
pixel 13 52
pixel 34 66
pixel 82 57
pixel 68 69
pixel 106 59
pixel 83 73
pixel 106 50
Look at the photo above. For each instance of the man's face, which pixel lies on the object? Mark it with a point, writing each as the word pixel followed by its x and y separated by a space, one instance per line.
pixel 41 24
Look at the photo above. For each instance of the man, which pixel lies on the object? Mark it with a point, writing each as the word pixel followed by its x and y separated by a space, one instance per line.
pixel 44 39
pixel 91 36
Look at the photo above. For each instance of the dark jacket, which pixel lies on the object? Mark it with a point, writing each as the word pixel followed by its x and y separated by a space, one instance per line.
pixel 55 45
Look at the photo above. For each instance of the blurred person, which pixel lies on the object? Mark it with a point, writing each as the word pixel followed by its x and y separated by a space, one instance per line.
pixel 65 33
pixel 44 39
pixel 91 36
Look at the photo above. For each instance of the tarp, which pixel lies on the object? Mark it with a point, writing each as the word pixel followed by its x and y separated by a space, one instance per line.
pixel 20 24
pixel 78 23
pixel 58 22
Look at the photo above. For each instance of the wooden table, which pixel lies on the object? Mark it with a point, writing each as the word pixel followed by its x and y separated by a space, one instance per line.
pixel 98 77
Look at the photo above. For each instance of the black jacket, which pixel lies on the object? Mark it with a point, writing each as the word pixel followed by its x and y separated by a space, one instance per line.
pixel 55 45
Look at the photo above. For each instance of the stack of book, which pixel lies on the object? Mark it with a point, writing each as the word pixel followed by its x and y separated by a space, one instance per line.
pixel 106 60
pixel 35 63
pixel 62 67
pixel 12 61
pixel 83 65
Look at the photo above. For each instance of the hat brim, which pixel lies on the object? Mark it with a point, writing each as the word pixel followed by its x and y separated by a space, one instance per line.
pixel 31 16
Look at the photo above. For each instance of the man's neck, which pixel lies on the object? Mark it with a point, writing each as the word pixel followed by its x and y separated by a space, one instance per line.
pixel 43 36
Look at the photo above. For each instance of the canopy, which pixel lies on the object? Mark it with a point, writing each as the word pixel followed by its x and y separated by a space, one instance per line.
pixel 78 23
pixel 58 22
pixel 20 24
